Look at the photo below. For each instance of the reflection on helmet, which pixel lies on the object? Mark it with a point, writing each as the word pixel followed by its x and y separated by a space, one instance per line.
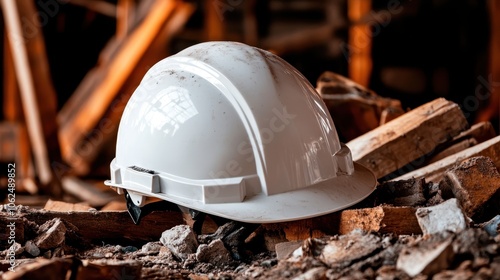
pixel 235 131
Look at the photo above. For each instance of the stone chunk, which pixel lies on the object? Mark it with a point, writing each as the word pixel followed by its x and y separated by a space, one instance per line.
pixel 475 182
pixel 285 249
pixel 492 227
pixel 31 248
pixel 447 216
pixel 346 249
pixel 181 241
pixel 214 253
pixel 426 257
pixel 51 234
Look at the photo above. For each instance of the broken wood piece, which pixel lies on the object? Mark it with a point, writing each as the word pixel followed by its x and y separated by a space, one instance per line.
pixel 478 133
pixel 482 132
pixel 90 117
pixel 411 192
pixel 37 95
pixel 383 219
pixel 447 216
pixel 426 257
pixel 41 268
pixel 115 226
pixel 355 109
pixel 475 182
pixel 109 269
pixel 453 149
pixel 434 172
pixel 417 133
pixel 86 191
pixel 62 206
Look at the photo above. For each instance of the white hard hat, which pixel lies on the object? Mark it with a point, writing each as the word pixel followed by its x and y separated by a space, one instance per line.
pixel 234 131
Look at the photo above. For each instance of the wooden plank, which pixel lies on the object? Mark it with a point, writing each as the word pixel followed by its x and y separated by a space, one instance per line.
pixel 30 60
pixel 86 191
pixel 82 138
pixel 434 172
pixel 383 219
pixel 478 133
pixel 417 133
pixel 125 12
pixel 109 225
pixel 360 42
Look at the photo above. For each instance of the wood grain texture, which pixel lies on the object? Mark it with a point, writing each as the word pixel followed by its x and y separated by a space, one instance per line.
pixel 434 172
pixel 383 219
pixel 417 133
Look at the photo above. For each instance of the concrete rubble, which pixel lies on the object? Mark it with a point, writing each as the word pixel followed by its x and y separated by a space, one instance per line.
pixel 181 241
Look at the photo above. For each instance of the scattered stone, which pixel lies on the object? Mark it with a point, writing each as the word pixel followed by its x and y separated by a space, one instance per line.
pixel 181 241
pixel 128 249
pixel 51 234
pixel 269 263
pixel 214 253
pixel 31 248
pixel 475 182
pixel 285 249
pixel 427 257
pixel 346 249
pixel 151 248
pixel 492 227
pixel 447 216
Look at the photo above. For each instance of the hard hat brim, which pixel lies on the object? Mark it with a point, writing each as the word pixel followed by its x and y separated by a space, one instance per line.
pixel 319 199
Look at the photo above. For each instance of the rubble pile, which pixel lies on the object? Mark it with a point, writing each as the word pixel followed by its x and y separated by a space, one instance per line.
pixel 434 215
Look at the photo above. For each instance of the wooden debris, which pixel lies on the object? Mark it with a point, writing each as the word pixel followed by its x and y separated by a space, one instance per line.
pixel 475 182
pixel 41 269
pixel 428 258
pixel 478 133
pixel 355 109
pixel 447 216
pixel 90 118
pixel 86 191
pixel 109 269
pixel 383 219
pixel 37 94
pixel 105 226
pixel 417 133
pixel 434 171
pixel 62 206
pixel 412 192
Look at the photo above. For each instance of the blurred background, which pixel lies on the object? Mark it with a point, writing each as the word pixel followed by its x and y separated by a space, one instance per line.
pixel 69 66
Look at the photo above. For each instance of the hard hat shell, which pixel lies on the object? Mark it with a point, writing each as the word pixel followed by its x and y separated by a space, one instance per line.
pixel 235 131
